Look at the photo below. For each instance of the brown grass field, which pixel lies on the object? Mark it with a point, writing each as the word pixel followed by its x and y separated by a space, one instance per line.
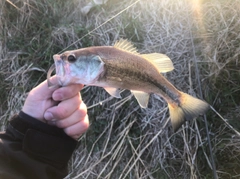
pixel 124 141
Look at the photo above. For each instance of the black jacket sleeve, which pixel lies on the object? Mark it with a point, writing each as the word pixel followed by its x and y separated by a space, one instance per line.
pixel 32 149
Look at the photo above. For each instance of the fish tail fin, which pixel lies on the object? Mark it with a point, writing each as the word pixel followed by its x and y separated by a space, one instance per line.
pixel 188 108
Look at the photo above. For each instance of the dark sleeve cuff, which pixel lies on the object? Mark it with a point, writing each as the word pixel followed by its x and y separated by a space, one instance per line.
pixel 44 142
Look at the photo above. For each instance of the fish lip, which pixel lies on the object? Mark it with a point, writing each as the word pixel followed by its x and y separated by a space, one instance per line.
pixel 50 84
pixel 60 68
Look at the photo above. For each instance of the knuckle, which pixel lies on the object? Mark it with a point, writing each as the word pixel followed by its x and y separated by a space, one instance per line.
pixel 87 120
pixel 61 124
pixel 62 112
pixel 69 132
pixel 83 109
pixel 82 114
pixel 83 106
pixel 85 123
pixel 78 99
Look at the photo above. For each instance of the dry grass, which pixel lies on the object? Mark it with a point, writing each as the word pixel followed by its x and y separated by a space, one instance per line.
pixel 125 141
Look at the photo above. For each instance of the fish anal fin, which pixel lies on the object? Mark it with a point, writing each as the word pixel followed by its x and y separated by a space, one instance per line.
pixel 189 108
pixel 126 45
pixel 162 62
pixel 113 92
pixel 142 98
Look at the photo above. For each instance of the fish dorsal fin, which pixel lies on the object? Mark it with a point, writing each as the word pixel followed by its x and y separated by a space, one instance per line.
pixel 126 45
pixel 162 62
pixel 142 98
pixel 113 92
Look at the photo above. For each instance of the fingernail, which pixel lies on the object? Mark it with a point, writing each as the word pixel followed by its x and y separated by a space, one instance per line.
pixel 48 116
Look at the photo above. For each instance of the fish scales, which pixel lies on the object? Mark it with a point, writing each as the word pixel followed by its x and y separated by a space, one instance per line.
pixel 126 68
pixel 134 69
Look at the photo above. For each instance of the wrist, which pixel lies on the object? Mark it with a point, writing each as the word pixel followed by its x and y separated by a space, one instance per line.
pixel 42 141
pixel 22 122
pixel 34 115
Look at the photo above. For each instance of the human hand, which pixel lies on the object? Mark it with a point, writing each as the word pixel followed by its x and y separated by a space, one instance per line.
pixel 62 107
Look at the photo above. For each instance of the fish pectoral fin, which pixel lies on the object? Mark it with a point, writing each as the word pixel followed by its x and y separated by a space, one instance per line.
pixel 113 92
pixel 162 62
pixel 142 98
pixel 126 45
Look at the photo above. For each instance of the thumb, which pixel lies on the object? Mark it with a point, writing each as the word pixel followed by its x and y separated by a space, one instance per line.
pixel 42 91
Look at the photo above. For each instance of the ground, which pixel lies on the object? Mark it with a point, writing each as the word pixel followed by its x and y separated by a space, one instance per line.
pixel 124 141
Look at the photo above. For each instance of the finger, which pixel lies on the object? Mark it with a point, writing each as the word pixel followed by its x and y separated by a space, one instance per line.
pixel 64 109
pixel 76 117
pixel 42 91
pixel 66 92
pixel 77 129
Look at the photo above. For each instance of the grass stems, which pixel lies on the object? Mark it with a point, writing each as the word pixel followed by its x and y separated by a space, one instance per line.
pixel 125 141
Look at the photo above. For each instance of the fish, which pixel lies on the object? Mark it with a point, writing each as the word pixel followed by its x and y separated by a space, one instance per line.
pixel 121 66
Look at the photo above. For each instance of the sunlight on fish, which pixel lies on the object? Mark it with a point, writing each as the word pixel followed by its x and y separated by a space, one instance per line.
pixel 122 67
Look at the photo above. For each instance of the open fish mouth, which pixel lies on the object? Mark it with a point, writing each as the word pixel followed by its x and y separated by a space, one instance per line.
pixel 49 73
pixel 59 67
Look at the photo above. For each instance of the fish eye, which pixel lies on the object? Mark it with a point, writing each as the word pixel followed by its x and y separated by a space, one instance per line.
pixel 71 58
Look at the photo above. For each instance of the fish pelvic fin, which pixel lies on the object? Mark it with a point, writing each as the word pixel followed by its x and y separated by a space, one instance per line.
pixel 162 62
pixel 113 92
pixel 142 98
pixel 188 109
pixel 126 45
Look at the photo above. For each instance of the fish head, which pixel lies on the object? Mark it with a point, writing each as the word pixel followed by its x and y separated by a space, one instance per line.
pixel 76 67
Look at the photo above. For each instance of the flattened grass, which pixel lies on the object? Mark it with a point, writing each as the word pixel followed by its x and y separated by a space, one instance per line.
pixel 125 141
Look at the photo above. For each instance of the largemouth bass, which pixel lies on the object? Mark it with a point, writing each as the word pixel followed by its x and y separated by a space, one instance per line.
pixel 121 66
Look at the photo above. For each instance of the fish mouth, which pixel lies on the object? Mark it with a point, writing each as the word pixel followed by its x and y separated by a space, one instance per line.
pixel 49 73
pixel 58 66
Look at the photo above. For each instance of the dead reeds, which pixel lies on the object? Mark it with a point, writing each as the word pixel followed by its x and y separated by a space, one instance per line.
pixel 125 141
